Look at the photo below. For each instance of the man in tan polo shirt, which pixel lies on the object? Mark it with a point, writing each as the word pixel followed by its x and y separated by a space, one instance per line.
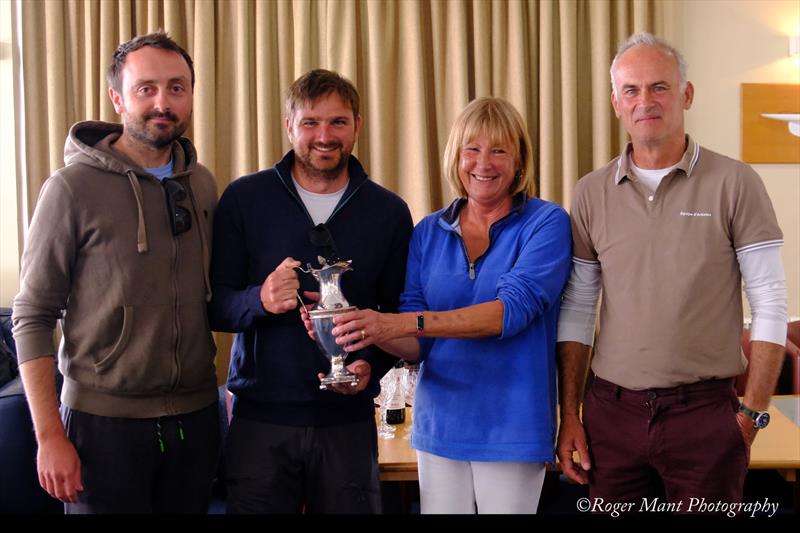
pixel 668 231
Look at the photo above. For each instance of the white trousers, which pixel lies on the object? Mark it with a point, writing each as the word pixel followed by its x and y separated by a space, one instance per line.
pixel 458 487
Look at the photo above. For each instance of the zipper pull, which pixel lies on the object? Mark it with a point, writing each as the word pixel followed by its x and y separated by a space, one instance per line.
pixel 472 270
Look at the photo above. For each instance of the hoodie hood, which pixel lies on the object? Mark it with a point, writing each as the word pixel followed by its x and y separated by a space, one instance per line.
pixel 90 143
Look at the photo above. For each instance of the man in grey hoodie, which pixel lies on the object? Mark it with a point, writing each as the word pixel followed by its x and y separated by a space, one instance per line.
pixel 118 250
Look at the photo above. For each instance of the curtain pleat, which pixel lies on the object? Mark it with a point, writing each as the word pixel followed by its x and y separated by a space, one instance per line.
pixel 35 110
pixel 206 66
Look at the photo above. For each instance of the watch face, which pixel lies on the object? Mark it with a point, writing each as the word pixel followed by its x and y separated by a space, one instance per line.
pixel 761 420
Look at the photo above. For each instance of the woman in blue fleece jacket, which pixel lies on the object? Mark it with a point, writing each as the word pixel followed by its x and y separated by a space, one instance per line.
pixel 479 311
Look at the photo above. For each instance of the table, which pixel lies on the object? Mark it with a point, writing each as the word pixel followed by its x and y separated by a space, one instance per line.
pixel 396 459
pixel 776 448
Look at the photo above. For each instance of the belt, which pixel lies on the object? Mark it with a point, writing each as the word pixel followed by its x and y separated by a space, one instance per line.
pixel 680 390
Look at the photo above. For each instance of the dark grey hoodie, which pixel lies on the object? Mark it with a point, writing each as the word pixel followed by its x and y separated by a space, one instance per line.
pixel 100 254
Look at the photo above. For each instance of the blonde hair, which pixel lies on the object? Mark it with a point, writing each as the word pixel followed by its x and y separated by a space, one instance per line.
pixel 503 124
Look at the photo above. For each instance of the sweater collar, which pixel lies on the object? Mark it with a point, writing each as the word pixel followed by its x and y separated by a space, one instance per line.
pixel 355 171
pixel 450 214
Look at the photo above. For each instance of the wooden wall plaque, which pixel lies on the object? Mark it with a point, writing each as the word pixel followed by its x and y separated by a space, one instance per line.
pixel 766 140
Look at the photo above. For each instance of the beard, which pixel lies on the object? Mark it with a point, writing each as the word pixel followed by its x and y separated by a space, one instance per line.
pixel 155 135
pixel 316 167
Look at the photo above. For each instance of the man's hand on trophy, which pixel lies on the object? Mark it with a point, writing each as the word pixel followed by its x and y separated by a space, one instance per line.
pixel 361 369
pixel 314 297
pixel 279 291
pixel 358 329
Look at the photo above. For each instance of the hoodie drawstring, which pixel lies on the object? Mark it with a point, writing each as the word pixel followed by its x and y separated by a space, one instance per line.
pixel 141 230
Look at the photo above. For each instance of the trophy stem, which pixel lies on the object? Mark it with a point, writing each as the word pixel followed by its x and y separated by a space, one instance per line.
pixel 338 374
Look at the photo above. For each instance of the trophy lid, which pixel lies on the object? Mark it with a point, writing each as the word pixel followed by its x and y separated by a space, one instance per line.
pixel 328 276
pixel 342 264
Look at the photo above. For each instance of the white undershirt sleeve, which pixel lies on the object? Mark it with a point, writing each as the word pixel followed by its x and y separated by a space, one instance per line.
pixel 579 303
pixel 765 288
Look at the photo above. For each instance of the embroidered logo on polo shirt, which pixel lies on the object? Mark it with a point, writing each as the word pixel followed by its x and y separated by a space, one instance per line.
pixel 695 214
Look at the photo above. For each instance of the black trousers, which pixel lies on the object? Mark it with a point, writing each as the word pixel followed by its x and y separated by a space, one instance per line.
pixel 145 465
pixel 318 470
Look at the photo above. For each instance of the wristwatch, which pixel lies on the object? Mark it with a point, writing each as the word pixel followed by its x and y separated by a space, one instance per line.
pixel 420 324
pixel 760 418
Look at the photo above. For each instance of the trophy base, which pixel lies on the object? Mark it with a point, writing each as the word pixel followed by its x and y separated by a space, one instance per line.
pixel 338 374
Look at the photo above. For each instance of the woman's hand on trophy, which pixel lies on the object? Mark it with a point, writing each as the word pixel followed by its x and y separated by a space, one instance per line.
pixel 279 291
pixel 314 297
pixel 361 369
pixel 358 329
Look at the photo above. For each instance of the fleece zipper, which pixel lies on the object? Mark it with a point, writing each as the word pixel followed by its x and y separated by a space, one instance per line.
pixel 493 229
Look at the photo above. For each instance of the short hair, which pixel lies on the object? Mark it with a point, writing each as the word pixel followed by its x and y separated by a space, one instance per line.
pixel 158 39
pixel 504 125
pixel 648 39
pixel 317 83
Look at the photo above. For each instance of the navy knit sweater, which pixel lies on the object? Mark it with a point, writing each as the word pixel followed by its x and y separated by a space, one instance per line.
pixel 260 220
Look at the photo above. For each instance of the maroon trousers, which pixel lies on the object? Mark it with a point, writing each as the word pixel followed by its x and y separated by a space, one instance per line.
pixel 675 444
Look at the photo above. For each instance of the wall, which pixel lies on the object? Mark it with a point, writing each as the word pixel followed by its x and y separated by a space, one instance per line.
pixel 727 43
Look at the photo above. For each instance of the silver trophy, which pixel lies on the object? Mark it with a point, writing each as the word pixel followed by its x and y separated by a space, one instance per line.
pixel 331 303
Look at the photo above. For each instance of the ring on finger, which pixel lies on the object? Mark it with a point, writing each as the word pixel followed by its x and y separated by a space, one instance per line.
pixel 363 334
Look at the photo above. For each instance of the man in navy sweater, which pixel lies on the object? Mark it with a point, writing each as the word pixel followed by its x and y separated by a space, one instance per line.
pixel 291 446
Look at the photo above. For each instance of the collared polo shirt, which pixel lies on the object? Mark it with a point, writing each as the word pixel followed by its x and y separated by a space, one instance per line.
pixel 671 310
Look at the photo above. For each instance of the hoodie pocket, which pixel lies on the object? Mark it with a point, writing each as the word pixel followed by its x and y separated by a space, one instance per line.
pixel 122 342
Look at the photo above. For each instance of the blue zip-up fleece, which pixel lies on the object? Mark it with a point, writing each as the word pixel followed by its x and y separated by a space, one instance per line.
pixel 490 399
pixel 261 220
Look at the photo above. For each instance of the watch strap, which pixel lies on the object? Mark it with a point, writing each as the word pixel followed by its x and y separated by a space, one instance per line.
pixel 747 411
pixel 760 418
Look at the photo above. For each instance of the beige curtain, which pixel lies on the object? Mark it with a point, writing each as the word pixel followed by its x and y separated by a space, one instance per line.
pixel 416 64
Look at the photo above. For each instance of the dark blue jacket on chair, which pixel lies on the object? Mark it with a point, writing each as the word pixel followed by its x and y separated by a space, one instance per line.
pixel 19 482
